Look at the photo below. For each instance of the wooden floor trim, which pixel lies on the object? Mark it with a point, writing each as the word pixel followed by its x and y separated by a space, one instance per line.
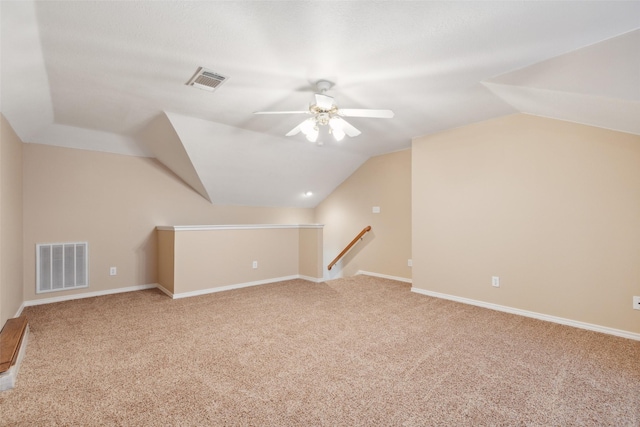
pixel 10 341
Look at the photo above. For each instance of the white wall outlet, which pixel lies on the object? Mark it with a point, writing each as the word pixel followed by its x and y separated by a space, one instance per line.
pixel 410 263
pixel 255 264
pixel 495 281
pixel 113 271
pixel 375 209
pixel 636 303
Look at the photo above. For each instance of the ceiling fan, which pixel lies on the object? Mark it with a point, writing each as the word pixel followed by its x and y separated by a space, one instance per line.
pixel 325 112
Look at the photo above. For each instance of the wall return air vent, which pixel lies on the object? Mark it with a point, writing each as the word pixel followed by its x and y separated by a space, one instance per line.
pixel 206 79
pixel 61 266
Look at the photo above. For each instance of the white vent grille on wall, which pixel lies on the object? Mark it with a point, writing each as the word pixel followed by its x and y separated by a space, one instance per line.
pixel 61 266
pixel 206 79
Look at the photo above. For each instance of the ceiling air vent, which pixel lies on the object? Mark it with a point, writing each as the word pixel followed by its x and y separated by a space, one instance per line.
pixel 206 79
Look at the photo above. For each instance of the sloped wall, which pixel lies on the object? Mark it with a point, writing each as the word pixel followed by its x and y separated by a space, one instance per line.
pixel 115 202
pixel 385 182
pixel 551 207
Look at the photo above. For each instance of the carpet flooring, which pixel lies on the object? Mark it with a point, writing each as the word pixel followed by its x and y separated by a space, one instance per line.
pixel 358 351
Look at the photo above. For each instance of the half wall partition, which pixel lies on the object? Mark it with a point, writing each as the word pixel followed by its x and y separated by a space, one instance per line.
pixel 195 260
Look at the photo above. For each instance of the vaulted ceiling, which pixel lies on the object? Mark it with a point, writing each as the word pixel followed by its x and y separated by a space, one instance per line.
pixel 110 76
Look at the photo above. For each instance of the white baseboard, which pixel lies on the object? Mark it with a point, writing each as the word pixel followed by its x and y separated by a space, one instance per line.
pixel 311 279
pixel 19 312
pixel 238 286
pixel 532 314
pixel 162 289
pixel 384 276
pixel 84 295
pixel 165 290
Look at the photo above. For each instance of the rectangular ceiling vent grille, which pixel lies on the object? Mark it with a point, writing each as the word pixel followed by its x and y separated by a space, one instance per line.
pixel 61 266
pixel 206 79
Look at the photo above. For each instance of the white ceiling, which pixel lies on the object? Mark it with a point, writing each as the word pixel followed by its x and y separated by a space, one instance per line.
pixel 110 76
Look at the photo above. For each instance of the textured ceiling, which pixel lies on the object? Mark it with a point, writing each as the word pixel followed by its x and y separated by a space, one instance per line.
pixel 110 76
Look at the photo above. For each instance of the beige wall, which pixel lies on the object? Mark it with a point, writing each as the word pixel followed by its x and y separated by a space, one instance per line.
pixel 115 202
pixel 383 181
pixel 195 259
pixel 310 252
pixel 166 259
pixel 551 207
pixel 216 258
pixel 10 222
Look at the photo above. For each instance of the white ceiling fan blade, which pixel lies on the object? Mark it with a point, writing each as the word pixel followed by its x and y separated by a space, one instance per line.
pixel 360 112
pixel 349 129
pixel 324 102
pixel 296 130
pixel 281 112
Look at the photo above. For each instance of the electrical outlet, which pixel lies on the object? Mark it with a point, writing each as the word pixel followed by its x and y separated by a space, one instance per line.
pixel 255 264
pixel 113 271
pixel 410 263
pixel 495 281
pixel 375 209
pixel 636 303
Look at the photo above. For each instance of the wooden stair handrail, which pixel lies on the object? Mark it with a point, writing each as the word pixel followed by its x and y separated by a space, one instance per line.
pixel 353 242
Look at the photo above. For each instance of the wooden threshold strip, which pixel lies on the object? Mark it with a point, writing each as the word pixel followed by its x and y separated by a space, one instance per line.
pixel 10 340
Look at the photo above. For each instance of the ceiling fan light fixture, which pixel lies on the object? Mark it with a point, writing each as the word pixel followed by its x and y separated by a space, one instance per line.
pixel 312 136
pixel 325 112
pixel 336 123
pixel 336 126
pixel 308 125
pixel 338 134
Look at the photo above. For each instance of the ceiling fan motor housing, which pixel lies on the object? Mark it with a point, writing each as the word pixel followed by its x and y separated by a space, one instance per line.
pixel 324 85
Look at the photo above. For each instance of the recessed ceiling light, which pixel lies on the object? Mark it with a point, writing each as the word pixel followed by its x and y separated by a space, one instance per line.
pixel 308 193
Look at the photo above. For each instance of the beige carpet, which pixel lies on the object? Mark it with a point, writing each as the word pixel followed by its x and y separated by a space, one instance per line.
pixel 351 352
